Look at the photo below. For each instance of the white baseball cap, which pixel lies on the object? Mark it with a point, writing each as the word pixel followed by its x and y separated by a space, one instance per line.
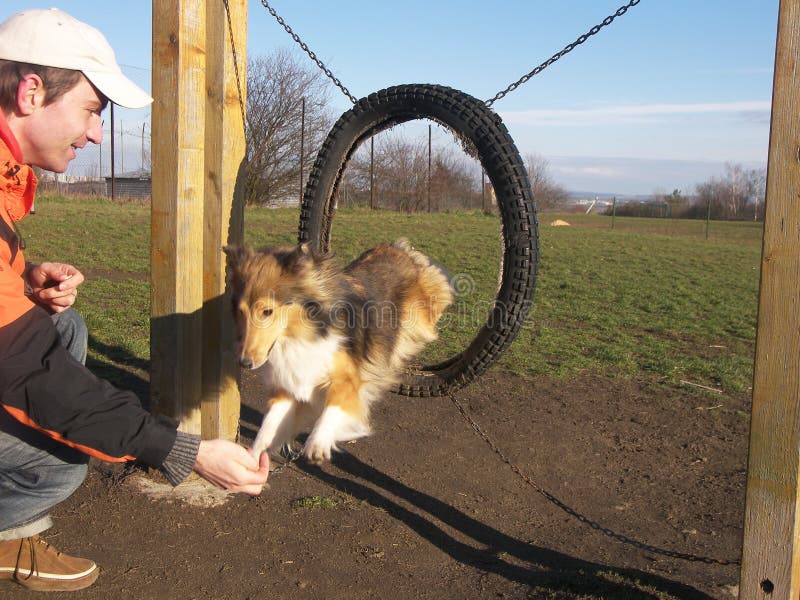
pixel 52 38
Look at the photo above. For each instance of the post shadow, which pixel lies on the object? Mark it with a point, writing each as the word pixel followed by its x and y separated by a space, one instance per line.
pixel 120 377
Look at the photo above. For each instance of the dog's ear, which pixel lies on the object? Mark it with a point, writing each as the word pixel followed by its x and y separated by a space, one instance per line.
pixel 236 254
pixel 301 259
pixel 232 252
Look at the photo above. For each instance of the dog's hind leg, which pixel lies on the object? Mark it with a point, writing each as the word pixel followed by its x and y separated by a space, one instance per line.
pixel 344 416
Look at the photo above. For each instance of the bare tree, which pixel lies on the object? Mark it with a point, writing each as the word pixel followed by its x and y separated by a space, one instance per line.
pixel 455 180
pixel 400 174
pixel 734 195
pixel 546 193
pixel 276 87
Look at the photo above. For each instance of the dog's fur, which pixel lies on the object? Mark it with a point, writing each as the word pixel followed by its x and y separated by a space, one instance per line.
pixel 330 340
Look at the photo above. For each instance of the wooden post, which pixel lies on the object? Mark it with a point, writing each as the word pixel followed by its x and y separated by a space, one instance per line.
pixel 198 149
pixel 771 556
pixel 224 210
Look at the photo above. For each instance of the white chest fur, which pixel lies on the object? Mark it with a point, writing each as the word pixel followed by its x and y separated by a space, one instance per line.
pixel 298 366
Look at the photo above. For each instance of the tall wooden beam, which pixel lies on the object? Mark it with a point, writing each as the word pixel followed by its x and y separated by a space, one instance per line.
pixel 771 556
pixel 198 147
pixel 224 208
pixel 178 155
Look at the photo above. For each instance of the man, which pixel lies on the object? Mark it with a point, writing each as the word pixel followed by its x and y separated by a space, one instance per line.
pixel 56 76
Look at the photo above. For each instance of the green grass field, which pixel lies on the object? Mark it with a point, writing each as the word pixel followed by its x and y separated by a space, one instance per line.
pixel 650 296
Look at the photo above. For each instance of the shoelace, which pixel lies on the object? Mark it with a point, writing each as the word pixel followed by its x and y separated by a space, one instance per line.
pixel 32 548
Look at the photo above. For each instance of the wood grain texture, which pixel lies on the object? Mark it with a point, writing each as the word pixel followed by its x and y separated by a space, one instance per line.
pixel 770 567
pixel 224 210
pixel 178 155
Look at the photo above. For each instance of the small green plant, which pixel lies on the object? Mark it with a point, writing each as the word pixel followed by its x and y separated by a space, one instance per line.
pixel 314 502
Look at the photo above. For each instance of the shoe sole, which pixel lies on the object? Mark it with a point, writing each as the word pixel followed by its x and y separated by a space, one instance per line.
pixel 59 583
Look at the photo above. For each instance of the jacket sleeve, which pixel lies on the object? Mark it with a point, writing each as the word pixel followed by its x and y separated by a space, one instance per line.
pixel 42 386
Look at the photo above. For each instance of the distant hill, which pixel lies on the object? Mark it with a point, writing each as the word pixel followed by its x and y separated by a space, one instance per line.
pixel 621 198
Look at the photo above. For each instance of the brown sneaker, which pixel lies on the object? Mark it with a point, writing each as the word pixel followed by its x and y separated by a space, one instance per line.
pixel 35 564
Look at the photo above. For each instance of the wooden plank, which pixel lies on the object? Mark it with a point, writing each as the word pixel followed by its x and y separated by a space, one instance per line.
pixel 177 209
pixel 771 556
pixel 224 211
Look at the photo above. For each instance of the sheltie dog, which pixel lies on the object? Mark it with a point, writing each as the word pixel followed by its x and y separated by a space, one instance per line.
pixel 330 340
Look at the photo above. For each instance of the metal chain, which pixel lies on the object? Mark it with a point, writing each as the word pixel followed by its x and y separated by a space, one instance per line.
pixel 236 67
pixel 607 21
pixel 290 455
pixel 572 512
pixel 308 51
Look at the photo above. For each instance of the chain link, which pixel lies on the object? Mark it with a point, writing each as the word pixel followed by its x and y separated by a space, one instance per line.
pixel 236 67
pixel 308 51
pixel 290 455
pixel 572 512
pixel 568 48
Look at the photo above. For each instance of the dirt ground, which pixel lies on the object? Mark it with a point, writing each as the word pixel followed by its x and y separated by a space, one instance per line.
pixel 640 480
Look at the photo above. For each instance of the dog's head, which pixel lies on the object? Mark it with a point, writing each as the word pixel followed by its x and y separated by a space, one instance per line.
pixel 270 290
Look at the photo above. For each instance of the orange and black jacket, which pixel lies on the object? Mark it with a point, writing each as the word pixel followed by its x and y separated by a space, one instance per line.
pixel 41 385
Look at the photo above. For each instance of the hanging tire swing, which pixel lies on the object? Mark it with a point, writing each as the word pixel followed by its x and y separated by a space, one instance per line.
pixel 482 129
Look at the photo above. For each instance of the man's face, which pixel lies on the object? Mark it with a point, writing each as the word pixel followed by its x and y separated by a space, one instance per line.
pixel 53 132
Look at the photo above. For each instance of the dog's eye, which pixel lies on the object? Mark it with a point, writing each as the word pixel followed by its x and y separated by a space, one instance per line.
pixel 266 312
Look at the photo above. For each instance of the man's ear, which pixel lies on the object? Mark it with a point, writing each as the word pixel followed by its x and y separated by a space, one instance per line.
pixel 30 94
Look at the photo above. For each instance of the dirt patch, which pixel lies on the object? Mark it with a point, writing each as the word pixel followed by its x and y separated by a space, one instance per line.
pixel 639 475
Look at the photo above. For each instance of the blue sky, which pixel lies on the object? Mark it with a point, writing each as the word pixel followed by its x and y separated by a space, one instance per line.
pixel 660 99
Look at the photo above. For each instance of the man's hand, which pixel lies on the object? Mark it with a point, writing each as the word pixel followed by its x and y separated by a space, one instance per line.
pixel 54 285
pixel 231 467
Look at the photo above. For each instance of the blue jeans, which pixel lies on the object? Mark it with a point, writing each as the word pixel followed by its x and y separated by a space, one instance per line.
pixel 36 472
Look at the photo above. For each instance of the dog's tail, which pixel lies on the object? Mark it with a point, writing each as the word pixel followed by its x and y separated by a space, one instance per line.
pixel 434 283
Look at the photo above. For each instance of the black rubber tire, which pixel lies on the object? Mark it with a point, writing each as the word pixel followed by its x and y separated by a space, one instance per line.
pixel 472 120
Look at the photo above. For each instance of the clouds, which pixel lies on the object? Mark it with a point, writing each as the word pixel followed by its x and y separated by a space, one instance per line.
pixel 634 175
pixel 639 114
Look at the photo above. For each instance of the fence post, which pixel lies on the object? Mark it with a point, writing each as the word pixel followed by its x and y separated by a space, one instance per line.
pixel 613 211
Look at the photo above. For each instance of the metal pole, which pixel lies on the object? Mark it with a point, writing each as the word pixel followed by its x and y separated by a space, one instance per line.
pixel 429 168
pixel 102 123
pixel 113 169
pixel 142 167
pixel 302 142
pixel 121 149
pixel 483 189
pixel 371 173
pixel 708 215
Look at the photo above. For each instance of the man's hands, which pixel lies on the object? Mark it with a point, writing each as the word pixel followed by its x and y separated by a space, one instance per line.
pixel 231 467
pixel 54 285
